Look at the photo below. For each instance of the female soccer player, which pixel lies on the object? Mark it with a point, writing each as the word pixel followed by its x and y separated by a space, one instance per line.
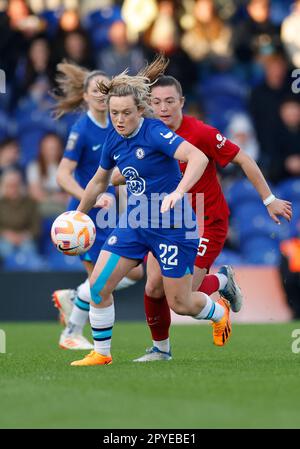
pixel 78 88
pixel 167 102
pixel 145 151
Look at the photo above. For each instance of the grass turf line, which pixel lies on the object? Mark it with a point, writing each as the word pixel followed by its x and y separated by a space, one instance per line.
pixel 253 382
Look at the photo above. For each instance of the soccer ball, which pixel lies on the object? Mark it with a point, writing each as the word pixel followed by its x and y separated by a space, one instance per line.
pixel 73 233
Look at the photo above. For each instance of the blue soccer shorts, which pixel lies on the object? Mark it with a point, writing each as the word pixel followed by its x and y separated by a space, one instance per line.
pixel 174 253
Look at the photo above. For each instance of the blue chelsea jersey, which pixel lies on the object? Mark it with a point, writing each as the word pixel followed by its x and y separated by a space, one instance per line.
pixel 145 158
pixel 84 145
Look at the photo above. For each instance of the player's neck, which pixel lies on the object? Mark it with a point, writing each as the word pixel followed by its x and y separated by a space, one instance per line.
pixel 99 116
pixel 177 123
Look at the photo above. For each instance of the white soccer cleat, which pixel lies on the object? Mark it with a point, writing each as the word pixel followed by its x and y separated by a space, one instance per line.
pixel 74 342
pixel 232 291
pixel 63 302
pixel 154 355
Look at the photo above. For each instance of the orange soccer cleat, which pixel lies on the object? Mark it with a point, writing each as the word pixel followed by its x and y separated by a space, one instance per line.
pixel 222 329
pixel 93 359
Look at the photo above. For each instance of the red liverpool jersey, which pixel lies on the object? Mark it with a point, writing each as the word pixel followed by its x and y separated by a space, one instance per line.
pixel 218 149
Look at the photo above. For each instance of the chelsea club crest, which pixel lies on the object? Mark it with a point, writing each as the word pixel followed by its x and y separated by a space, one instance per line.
pixel 140 153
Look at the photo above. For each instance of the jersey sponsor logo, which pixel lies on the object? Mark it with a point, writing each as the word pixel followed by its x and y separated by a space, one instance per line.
pixel 73 137
pixel 96 147
pixel 135 184
pixel 140 153
pixel 219 137
pixel 167 268
pixel 167 136
pixel 112 240
pixel 116 156
pixel 220 145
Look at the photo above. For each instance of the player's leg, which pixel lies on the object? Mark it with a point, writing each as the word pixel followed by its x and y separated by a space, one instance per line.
pixel 211 245
pixel 132 277
pixel 72 336
pixel 109 270
pixel 157 314
pixel 198 305
pixel 177 266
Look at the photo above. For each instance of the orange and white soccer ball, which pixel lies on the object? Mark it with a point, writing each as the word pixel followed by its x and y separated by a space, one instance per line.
pixel 73 233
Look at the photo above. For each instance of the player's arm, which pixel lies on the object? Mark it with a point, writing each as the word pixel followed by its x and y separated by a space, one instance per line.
pixel 116 178
pixel 97 185
pixel 196 164
pixel 276 207
pixel 66 180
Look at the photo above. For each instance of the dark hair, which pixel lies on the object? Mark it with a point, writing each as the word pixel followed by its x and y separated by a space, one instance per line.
pixel 8 141
pixel 167 80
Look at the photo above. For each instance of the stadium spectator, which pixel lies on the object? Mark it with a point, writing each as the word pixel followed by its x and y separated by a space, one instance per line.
pixel 77 49
pixel 264 105
pixel 287 137
pixel 290 35
pixel 9 156
pixel 41 176
pixel 241 131
pixel 256 35
pixel 163 36
pixel 34 73
pixel 69 20
pixel 19 217
pixel 209 37
pixel 11 45
pixel 120 55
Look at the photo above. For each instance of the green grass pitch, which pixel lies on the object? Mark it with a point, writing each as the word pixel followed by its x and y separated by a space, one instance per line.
pixel 253 382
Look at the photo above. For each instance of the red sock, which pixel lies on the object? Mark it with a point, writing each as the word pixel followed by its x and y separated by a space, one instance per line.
pixel 210 284
pixel 158 317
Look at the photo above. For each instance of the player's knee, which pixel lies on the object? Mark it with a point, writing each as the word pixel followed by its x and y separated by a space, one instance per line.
pixel 136 273
pixel 177 305
pixel 100 295
pixel 154 288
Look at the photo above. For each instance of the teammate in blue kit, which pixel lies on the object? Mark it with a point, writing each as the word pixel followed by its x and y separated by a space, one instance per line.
pixel 146 153
pixel 80 161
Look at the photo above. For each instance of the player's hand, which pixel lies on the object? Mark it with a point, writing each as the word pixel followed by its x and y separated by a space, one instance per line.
pixel 106 200
pixel 280 208
pixel 170 200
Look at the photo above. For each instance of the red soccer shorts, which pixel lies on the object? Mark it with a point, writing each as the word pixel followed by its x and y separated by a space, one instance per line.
pixel 211 244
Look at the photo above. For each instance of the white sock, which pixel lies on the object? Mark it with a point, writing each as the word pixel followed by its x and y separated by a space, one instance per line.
pixel 162 345
pixel 72 328
pixel 77 320
pixel 102 321
pixel 222 280
pixel 80 311
pixel 211 311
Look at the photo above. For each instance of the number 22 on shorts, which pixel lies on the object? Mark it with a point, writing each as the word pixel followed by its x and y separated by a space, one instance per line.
pixel 168 254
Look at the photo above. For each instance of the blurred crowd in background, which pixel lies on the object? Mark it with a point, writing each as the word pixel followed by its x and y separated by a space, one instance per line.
pixel 236 62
